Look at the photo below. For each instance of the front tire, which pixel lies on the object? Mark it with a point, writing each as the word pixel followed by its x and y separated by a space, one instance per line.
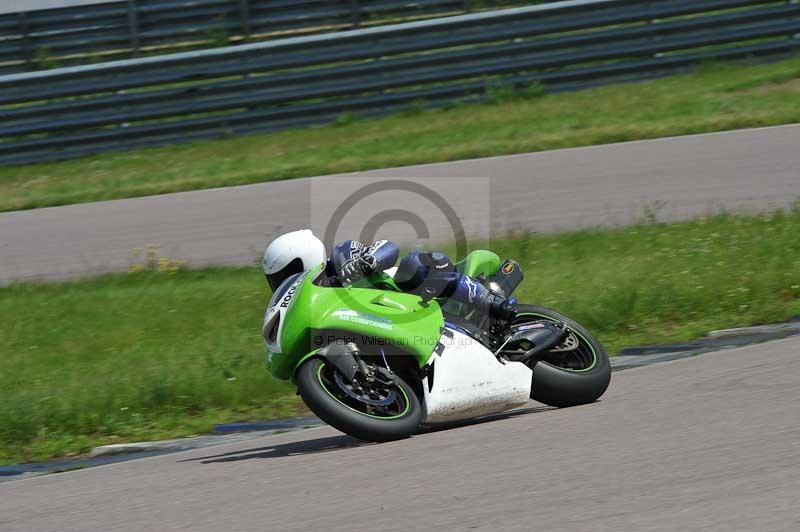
pixel 561 381
pixel 327 397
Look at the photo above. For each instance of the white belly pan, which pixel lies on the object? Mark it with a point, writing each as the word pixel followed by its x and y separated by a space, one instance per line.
pixel 469 381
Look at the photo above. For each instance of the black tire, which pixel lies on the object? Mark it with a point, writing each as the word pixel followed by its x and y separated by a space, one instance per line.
pixel 350 421
pixel 562 387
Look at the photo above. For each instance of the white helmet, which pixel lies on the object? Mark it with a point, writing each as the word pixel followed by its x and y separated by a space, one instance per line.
pixel 292 253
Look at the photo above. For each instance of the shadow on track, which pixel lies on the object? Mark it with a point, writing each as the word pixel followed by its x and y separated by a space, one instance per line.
pixel 486 419
pixel 298 448
pixel 335 443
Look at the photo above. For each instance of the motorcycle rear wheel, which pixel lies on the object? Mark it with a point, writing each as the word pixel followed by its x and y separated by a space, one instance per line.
pixel 568 378
pixel 393 417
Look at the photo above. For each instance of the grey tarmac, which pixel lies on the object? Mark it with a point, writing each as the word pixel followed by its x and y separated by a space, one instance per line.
pixel 705 443
pixel 612 185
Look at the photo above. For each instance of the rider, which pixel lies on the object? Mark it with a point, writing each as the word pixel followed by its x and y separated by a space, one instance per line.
pixel 351 260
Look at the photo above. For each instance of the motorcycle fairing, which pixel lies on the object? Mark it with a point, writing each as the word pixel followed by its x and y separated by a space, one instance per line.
pixel 393 317
pixel 466 380
pixel 274 318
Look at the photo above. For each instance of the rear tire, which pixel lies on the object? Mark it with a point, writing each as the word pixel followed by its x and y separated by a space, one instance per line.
pixel 319 391
pixel 559 386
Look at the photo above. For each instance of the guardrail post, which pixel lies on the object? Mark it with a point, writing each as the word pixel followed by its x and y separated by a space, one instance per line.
pixel 133 27
pixel 651 22
pixel 355 16
pixel 25 31
pixel 244 17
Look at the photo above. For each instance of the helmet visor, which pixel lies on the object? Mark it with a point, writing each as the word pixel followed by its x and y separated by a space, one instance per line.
pixel 277 278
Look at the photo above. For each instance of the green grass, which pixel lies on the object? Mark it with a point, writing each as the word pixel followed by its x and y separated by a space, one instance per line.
pixel 157 355
pixel 131 357
pixel 718 97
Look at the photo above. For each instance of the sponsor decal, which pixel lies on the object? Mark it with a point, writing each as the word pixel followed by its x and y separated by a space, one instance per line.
pixel 472 288
pixel 526 327
pixel 288 297
pixel 376 246
pixel 356 248
pixel 508 267
pixel 363 318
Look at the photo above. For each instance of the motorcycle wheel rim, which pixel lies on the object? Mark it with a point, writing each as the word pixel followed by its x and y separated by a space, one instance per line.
pixel 401 393
pixel 584 343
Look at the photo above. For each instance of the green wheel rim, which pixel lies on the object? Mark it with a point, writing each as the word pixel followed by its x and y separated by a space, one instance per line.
pixel 399 388
pixel 582 337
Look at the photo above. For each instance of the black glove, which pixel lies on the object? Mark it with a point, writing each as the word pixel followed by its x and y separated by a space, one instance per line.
pixel 355 269
pixel 501 308
pixel 368 264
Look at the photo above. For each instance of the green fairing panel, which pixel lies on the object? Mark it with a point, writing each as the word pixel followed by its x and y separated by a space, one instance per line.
pixel 479 262
pixel 361 311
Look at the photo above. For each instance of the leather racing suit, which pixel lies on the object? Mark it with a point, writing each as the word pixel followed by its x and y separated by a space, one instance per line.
pixel 418 270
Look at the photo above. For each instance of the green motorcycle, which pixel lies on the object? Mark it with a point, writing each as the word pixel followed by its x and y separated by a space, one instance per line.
pixel 377 363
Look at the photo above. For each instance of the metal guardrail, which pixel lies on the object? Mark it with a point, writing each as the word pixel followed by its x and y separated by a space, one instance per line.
pixel 43 39
pixel 300 81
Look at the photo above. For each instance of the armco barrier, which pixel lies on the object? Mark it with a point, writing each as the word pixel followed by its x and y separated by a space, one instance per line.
pixel 117 29
pixel 314 79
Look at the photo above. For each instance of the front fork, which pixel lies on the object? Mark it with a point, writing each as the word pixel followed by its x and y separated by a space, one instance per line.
pixel 347 361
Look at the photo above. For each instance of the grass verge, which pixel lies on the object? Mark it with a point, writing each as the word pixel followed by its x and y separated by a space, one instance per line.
pixel 718 97
pixel 157 355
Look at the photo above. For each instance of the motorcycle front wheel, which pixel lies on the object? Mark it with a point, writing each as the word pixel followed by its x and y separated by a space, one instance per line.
pixel 570 377
pixel 371 411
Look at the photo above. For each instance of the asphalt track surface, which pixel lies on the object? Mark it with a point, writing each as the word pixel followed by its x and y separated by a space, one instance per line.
pixel 707 443
pixel 672 179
